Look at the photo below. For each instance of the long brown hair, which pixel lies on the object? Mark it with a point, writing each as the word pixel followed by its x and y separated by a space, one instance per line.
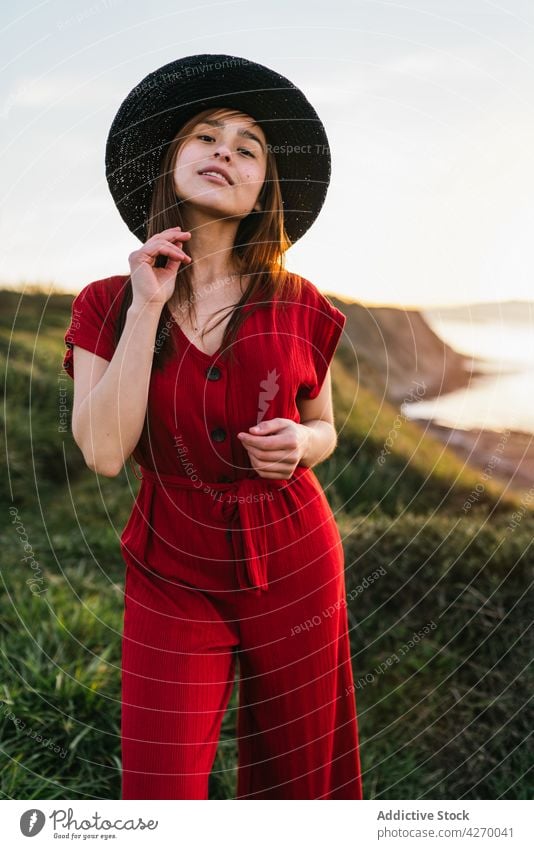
pixel 258 250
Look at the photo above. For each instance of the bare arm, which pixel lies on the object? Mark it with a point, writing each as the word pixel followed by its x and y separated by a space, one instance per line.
pixel 321 442
pixel 110 398
pixel 317 421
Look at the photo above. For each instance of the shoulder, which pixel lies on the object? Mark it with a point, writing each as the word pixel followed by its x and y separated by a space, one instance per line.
pixel 93 322
pixel 106 289
pixel 101 298
pixel 316 303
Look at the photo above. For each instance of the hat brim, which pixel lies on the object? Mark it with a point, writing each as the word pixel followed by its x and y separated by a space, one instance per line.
pixel 153 112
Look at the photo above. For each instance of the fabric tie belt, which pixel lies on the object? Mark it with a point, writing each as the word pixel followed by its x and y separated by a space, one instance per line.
pixel 243 506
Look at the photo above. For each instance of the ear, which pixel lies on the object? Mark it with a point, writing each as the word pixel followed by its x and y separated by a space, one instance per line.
pixel 257 207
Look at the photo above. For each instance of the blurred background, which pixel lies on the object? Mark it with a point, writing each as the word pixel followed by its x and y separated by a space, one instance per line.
pixel 425 243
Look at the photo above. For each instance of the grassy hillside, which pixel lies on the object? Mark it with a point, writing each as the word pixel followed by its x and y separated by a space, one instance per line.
pixel 441 716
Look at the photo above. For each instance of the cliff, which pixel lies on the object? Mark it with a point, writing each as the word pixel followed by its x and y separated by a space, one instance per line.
pixel 394 352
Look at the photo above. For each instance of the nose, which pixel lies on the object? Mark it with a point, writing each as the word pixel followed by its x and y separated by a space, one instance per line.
pixel 224 151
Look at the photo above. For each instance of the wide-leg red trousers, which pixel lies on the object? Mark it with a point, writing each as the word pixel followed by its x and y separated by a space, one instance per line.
pixel 249 572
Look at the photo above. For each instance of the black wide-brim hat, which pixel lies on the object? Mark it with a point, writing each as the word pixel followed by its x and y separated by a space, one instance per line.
pixel 158 106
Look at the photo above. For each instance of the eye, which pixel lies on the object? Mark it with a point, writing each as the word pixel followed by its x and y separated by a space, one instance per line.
pixel 242 149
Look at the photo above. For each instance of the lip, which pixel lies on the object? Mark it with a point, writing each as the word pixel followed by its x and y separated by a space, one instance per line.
pixel 224 174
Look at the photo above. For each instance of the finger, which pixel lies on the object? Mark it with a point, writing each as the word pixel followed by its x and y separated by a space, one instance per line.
pixel 282 457
pixel 284 473
pixel 267 426
pixel 272 443
pixel 173 253
pixel 176 244
pixel 163 243
pixel 290 458
pixel 166 235
pixel 271 455
pixel 172 232
pixel 181 236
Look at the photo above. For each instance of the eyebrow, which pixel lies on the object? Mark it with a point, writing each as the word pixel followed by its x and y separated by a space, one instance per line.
pixel 213 122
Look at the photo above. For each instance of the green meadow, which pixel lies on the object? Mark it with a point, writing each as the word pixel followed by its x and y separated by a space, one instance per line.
pixel 438 575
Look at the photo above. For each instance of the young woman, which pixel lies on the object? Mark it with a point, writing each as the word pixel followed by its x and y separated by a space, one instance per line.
pixel 232 552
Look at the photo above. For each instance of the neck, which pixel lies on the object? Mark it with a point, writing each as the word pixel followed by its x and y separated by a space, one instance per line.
pixel 211 249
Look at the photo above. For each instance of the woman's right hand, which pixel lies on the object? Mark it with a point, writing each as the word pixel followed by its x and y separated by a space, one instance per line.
pixel 152 285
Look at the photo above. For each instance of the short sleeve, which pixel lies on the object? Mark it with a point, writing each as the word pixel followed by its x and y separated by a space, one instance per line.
pixel 325 324
pixel 93 321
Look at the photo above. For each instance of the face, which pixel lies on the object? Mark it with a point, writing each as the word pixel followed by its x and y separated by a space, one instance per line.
pixel 236 145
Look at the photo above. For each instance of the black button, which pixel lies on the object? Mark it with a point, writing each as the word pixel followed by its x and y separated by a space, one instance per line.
pixel 213 373
pixel 218 435
pixel 224 479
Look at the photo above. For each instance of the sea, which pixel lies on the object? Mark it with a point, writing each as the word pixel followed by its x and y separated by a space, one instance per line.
pixel 503 398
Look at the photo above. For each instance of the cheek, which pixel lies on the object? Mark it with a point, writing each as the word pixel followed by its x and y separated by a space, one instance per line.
pixel 255 176
pixel 188 155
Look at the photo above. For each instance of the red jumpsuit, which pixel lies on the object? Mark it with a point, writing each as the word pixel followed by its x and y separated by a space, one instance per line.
pixel 223 565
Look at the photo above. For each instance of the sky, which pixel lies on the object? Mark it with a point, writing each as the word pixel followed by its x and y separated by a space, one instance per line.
pixel 427 105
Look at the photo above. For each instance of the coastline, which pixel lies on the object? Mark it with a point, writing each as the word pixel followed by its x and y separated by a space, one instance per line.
pixel 507 454
pixel 394 352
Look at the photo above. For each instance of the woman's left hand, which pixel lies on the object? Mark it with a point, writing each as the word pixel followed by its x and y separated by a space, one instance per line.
pixel 276 446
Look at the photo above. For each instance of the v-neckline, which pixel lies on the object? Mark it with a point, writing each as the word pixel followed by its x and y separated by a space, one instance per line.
pixel 198 351
pixel 191 345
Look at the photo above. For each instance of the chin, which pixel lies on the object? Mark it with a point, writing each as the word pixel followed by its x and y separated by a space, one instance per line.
pixel 217 210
